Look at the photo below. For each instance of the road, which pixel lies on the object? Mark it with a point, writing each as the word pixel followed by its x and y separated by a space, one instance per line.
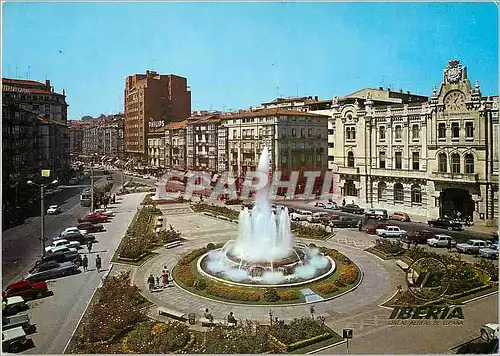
pixel 57 316
pixel 21 244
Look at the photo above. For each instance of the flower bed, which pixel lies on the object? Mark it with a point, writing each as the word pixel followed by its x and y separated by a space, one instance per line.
pixel 152 337
pixel 117 309
pixel 312 232
pixel 140 237
pixel 169 235
pixel 389 248
pixel 216 210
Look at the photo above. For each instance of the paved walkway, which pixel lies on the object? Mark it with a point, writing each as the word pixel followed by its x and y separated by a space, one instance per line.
pixel 379 281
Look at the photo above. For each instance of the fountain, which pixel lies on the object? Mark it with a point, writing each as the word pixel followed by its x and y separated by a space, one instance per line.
pixel 265 253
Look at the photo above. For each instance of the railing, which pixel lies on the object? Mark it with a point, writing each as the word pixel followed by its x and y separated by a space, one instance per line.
pixel 401 173
pixel 349 170
pixel 469 177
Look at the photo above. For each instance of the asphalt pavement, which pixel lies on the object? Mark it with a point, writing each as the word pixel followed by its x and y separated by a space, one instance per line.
pixel 21 245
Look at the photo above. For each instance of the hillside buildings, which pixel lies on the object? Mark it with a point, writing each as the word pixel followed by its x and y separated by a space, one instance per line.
pixel 152 101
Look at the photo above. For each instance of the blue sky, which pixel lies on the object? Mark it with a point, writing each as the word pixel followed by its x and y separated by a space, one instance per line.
pixel 240 54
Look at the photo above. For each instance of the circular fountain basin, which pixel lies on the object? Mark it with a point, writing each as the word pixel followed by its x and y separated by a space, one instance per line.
pixel 259 282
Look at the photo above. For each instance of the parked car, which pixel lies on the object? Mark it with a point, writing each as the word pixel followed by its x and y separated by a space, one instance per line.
pixel 76 236
pixel 444 224
pixel 320 204
pixel 13 340
pixel 26 289
pixel 379 214
pixel 106 212
pixel 14 305
pixel 489 252
pixel 489 332
pixel 301 215
pixel 52 270
pixel 320 217
pixel 418 236
pixel 472 246
pixel 54 210
pixel 331 205
pixel 352 208
pixel 90 227
pixel 16 321
pixel 391 231
pixel 441 241
pixel 93 218
pixel 72 230
pixel 342 221
pixel 73 181
pixel 372 229
pixel 400 216
pixel 62 242
pixel 59 257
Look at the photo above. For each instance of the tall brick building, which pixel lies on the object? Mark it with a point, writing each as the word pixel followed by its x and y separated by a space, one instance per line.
pixel 152 101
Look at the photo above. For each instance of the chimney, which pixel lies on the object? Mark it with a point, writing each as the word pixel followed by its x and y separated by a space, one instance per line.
pixel 47 83
pixel 315 98
pixel 380 88
pixel 407 92
pixel 388 89
pixel 400 90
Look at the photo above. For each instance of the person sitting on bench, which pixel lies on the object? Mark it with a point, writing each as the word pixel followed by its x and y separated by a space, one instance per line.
pixel 208 316
pixel 231 319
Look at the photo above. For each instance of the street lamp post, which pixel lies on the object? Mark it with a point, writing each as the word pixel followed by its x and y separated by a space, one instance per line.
pixel 42 212
pixel 92 189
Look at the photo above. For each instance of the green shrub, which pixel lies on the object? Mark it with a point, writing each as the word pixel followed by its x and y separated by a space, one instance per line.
pixel 210 246
pixel 299 329
pixel 233 293
pixel 389 247
pixel 325 288
pixel 289 295
pixel 271 295
pixel 157 338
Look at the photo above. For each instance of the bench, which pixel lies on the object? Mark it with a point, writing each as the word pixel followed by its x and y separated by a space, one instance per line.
pixel 173 244
pixel 174 314
pixel 402 265
pixel 207 323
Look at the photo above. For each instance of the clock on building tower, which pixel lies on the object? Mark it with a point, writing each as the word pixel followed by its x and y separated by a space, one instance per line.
pixel 454 100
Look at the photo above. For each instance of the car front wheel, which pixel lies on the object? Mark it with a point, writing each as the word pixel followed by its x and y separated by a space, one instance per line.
pixel 485 336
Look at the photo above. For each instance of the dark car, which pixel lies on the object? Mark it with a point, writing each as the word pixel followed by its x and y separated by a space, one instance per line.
pixel 352 208
pixel 59 257
pixel 343 221
pixel 26 289
pixel 419 236
pixel 443 223
pixel 87 225
pixel 51 270
pixel 372 229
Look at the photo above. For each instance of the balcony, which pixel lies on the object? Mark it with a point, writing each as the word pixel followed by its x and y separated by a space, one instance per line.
pixel 398 173
pixel 348 170
pixel 461 177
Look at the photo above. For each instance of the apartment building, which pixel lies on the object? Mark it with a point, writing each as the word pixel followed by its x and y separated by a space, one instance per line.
pixel 176 145
pixel 156 148
pixel 152 101
pixel 296 140
pixel 427 157
pixel 202 145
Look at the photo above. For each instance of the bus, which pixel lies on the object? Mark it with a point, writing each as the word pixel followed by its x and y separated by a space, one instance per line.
pixel 86 198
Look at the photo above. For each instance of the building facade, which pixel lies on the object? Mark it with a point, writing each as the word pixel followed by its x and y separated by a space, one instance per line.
pixel 152 101
pixel 430 157
pixel 27 98
pixel 156 148
pixel 201 137
pixel 296 141
pixel 176 145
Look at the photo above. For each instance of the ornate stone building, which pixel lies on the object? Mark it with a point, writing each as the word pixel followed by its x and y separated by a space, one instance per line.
pixel 428 158
pixel 175 145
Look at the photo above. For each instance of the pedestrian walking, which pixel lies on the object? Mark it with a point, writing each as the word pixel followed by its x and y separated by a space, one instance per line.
pixel 85 263
pixel 164 277
pixel 151 282
pixel 89 246
pixel 449 245
pixel 157 282
pixel 98 263
pixel 343 202
pixel 360 225
pixel 167 272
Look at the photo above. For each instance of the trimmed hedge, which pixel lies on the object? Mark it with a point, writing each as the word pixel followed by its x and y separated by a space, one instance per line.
pixel 289 295
pixel 303 343
pixel 232 293
pixel 325 288
pixel 349 275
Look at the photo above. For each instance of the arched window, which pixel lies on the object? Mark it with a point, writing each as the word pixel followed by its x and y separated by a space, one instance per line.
pixel 455 163
pixel 380 191
pixel 398 192
pixel 469 163
pixel 416 194
pixel 350 159
pixel 442 163
pixel 350 188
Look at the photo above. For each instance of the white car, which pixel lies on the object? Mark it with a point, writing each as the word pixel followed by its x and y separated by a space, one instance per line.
pixel 62 242
pixel 441 241
pixel 489 252
pixel 299 215
pixel 53 210
pixel 472 246
pixel 72 230
pixel 391 231
pixel 489 332
pixel 62 248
